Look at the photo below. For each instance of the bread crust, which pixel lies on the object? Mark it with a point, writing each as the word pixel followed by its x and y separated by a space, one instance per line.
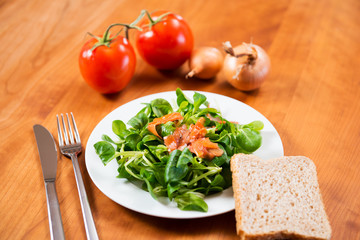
pixel 249 173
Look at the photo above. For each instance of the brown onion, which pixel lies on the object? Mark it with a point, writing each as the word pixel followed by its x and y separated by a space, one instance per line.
pixel 205 63
pixel 245 66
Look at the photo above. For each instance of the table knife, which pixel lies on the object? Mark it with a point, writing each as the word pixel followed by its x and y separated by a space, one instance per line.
pixel 48 158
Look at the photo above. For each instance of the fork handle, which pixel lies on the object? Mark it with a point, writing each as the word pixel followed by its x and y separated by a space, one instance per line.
pixel 85 207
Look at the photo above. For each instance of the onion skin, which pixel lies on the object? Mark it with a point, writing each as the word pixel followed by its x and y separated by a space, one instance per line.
pixel 205 63
pixel 247 67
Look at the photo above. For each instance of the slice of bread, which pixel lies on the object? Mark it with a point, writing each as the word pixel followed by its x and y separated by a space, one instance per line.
pixel 278 198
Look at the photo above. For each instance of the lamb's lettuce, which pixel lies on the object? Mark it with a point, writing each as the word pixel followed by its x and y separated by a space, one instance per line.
pixel 180 175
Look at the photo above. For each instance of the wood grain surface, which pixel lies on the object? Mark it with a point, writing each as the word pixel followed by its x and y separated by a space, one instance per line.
pixel 311 96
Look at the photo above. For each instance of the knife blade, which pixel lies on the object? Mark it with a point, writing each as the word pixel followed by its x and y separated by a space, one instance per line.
pixel 48 158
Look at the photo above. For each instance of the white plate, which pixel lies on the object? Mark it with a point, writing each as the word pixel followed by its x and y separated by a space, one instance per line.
pixel 132 197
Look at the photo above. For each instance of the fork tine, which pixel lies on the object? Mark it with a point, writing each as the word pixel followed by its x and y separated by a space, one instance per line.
pixel 65 130
pixel 71 136
pixel 77 136
pixel 61 140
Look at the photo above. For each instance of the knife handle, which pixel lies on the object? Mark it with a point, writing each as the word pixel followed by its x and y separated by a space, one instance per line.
pixel 55 222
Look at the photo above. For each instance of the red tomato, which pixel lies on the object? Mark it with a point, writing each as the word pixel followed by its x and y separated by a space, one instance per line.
pixel 108 69
pixel 167 44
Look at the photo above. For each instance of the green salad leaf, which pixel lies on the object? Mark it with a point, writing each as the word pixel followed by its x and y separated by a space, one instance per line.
pixel 161 107
pixel 180 174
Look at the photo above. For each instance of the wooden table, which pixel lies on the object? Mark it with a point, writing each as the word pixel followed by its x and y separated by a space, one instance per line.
pixel 311 96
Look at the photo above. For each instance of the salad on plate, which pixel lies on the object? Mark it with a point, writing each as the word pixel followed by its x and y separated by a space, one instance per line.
pixel 181 152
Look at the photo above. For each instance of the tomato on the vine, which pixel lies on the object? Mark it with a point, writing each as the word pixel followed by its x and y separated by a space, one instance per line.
pixel 107 63
pixel 166 40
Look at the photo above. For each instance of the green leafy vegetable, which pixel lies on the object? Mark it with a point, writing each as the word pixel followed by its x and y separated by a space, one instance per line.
pixel 176 167
pixel 105 151
pixel 119 128
pixel 198 100
pixel 139 121
pixel 167 129
pixel 180 175
pixel 161 107
pixel 191 201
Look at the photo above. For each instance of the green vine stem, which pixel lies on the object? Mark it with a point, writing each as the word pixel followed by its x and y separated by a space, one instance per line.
pixel 105 40
pixel 152 21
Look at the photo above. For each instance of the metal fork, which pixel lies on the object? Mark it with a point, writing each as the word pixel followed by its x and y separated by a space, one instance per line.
pixel 71 147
